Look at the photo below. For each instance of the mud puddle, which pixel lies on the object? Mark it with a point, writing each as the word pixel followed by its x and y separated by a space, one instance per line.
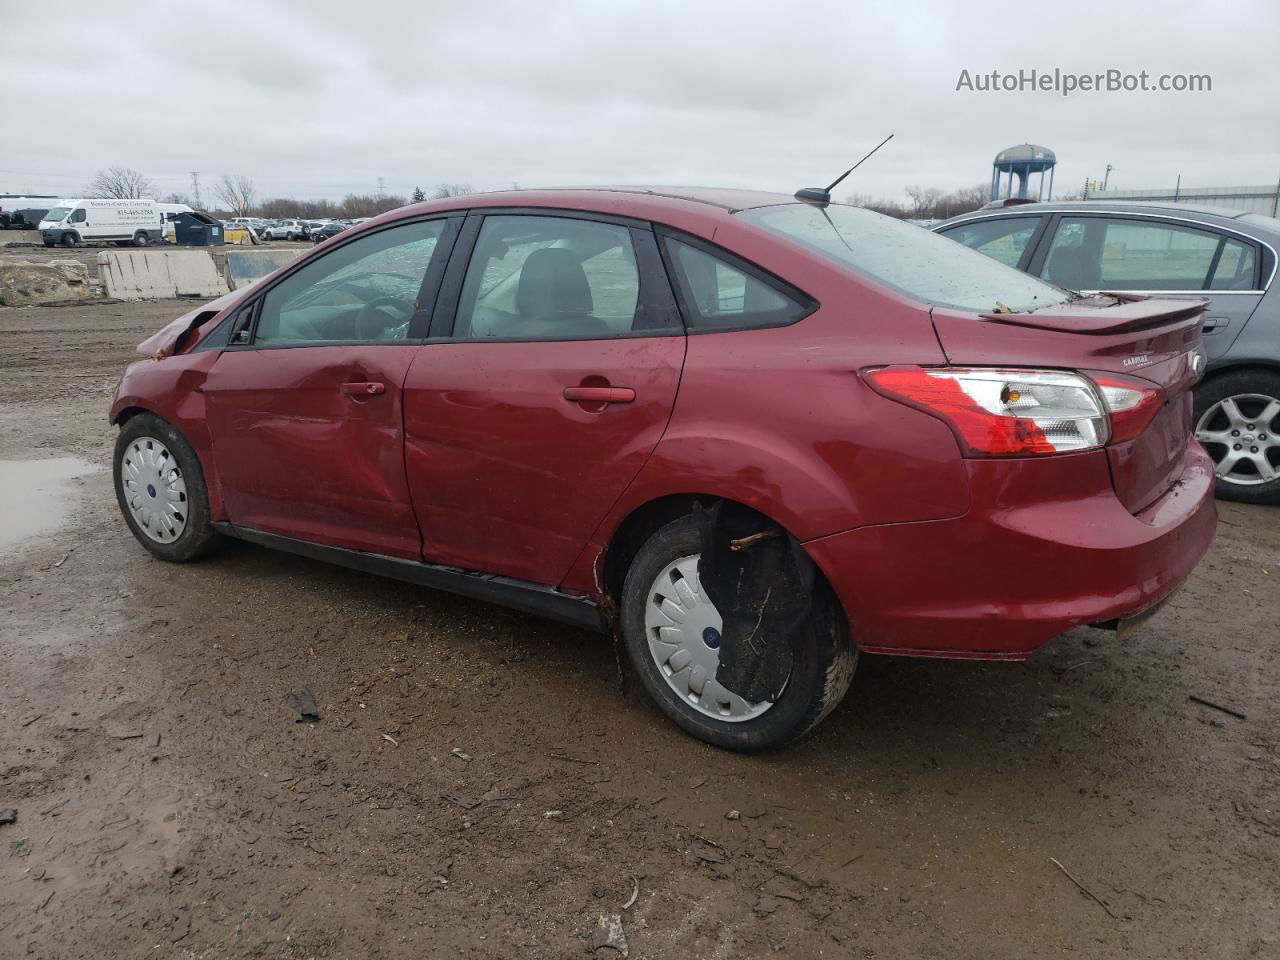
pixel 37 497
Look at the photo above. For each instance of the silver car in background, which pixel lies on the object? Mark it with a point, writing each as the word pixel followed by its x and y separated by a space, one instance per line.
pixel 1225 256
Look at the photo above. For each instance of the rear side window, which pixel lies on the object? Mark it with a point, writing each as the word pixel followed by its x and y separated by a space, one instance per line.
pixel 1102 253
pixel 549 278
pixel 721 295
pixel 1004 239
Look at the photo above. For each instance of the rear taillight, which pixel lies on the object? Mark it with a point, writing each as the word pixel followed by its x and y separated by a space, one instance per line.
pixel 1131 403
pixel 1003 413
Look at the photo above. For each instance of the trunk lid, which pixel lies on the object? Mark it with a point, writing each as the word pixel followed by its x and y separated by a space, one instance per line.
pixel 1152 340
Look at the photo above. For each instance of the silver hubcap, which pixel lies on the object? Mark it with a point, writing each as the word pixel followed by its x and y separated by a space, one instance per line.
pixel 154 489
pixel 683 628
pixel 1240 434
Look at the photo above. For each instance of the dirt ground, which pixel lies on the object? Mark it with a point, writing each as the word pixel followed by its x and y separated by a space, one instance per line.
pixel 479 786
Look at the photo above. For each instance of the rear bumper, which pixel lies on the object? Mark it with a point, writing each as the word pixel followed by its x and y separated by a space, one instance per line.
pixel 1045 547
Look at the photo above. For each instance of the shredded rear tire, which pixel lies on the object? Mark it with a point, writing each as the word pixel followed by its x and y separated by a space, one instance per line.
pixel 823 666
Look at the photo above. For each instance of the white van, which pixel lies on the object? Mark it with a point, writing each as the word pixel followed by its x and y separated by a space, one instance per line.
pixel 73 222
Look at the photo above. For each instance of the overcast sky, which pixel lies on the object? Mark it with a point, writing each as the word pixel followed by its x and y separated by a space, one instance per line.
pixel 320 98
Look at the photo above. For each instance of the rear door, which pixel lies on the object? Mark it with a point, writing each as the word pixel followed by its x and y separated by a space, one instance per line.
pixel 1161 256
pixel 552 371
pixel 305 405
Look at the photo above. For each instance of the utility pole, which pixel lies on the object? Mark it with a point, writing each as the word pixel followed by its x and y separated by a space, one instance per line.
pixel 195 186
pixel 381 188
pixel 1107 177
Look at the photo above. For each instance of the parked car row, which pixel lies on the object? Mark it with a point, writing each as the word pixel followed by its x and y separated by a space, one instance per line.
pixel 297 229
pixel 1225 257
pixel 753 436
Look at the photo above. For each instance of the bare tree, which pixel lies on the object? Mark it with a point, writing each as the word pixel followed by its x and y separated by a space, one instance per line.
pixel 926 203
pixel 363 205
pixel 120 183
pixel 924 200
pixel 445 190
pixel 889 208
pixel 178 198
pixel 237 192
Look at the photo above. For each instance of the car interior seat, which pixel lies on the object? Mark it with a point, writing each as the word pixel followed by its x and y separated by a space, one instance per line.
pixel 553 297
pixel 1073 268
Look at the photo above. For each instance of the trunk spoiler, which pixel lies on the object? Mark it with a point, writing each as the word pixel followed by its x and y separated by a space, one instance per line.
pixel 1105 313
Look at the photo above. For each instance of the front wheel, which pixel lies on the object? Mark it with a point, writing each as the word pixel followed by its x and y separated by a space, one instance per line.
pixel 1237 420
pixel 161 491
pixel 671 631
pixel 70 239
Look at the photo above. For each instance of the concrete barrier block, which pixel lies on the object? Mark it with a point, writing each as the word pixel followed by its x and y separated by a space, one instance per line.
pixel 159 274
pixel 247 266
pixel 23 282
pixel 22 238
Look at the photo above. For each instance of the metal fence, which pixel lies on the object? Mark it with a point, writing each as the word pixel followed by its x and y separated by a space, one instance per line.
pixel 1262 199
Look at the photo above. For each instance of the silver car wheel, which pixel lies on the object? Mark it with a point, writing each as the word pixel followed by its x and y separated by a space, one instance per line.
pixel 683 627
pixel 154 489
pixel 1239 432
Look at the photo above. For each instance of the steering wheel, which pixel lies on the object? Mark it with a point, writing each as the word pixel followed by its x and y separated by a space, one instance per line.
pixel 372 322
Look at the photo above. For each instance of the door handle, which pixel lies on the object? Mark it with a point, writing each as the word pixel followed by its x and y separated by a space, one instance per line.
pixel 363 389
pixel 599 394
pixel 1213 324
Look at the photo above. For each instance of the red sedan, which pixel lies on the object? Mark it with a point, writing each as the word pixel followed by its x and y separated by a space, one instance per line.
pixel 753 435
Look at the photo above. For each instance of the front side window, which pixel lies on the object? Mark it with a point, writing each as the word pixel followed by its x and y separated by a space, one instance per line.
pixel 1103 253
pixel 923 265
pixel 1004 239
pixel 719 295
pixel 549 278
pixel 366 290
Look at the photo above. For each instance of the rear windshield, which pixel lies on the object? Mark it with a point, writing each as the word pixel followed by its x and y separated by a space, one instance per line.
pixel 910 259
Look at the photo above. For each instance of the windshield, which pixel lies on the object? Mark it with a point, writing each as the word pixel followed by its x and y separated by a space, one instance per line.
pixel 910 259
pixel 57 214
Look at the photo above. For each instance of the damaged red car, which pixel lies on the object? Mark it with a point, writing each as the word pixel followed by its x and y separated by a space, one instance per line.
pixel 754 435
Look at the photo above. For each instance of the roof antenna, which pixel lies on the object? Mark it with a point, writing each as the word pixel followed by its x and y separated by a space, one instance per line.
pixel 819 195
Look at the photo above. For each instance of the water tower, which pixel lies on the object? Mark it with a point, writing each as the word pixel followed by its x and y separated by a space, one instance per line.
pixel 1022 161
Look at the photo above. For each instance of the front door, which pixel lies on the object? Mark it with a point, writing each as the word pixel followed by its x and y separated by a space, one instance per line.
pixel 556 379
pixel 305 407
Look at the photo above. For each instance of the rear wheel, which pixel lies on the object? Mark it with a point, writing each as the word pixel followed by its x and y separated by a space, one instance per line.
pixel 1237 420
pixel 671 631
pixel 161 489
pixel 291 236
pixel 141 239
